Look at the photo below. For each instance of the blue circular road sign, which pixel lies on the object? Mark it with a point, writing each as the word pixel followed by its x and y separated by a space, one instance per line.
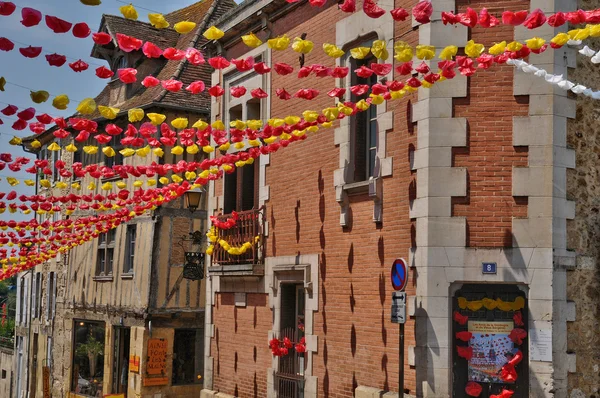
pixel 399 274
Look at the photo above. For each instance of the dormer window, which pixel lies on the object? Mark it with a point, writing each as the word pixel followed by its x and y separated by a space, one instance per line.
pixel 121 63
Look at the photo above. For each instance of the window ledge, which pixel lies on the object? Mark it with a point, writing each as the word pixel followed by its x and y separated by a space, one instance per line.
pixel 128 275
pixel 356 188
pixel 115 178
pixel 103 278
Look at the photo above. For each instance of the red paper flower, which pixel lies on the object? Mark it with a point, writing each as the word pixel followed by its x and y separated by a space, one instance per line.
pixel 194 56
pixel 6 45
pixel 31 17
pixel 237 91
pixel 399 14
pixel 337 92
pixel 485 61
pixel 7 8
pixel 464 336
pixel 394 85
pixel 150 81
pixel 9 110
pixel 104 73
pixel 348 6
pixel 103 138
pixel 379 88
pixel 218 62
pixel 340 72
pixel 576 17
pixel 514 18
pixel 469 19
pixel 465 352
pixel 58 25
pixel 26 114
pixel 449 18
pixel 19 125
pixel 258 93
pixel 423 68
pixel 363 72
pixel 518 318
pixel 460 319
pixel 44 118
pixel 487 20
pixel 79 66
pixel 307 94
pixel 465 65
pixel 173 54
pixel 381 69
pixel 30 52
pixel 405 68
pixel 473 389
pixel 81 30
pixel 359 89
pixel 243 65
pixel 261 68
pixel 151 50
pixel 557 19
pixel 287 343
pixel 300 348
pixel 413 82
pixel 283 69
pixel 592 17
pixel 56 59
pixel 60 133
pixel 372 9
pixel 216 91
pixel 504 394
pixel 128 43
pixel 536 19
pixel 282 94
pixel 127 75
pixel 322 71
pixel 172 85
pixel 422 11
pixel 101 38
pixel 517 335
pixel 196 87
pixel 304 71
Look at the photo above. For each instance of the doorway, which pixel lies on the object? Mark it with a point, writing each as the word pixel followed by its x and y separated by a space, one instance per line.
pixel 34 366
pixel 492 313
pixel 120 376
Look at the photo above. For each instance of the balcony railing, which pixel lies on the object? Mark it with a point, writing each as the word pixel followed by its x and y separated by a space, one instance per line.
pixel 247 228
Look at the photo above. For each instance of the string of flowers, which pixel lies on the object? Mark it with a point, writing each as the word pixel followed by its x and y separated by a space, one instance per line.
pixel 227 224
pixel 281 348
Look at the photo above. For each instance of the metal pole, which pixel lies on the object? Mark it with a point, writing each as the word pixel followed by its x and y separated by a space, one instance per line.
pixel 401 362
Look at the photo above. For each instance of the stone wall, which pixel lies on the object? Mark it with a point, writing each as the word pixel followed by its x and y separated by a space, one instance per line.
pixel 6 371
pixel 583 185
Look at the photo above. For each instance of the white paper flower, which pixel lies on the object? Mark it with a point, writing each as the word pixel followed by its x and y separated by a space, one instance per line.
pixel 588 52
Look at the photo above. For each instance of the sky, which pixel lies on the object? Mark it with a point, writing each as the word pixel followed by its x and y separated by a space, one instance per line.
pixel 36 74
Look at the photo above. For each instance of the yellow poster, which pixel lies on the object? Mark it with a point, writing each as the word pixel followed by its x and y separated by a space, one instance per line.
pixel 490 345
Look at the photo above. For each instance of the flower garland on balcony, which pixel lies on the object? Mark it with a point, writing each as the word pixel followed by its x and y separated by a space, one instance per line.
pixel 281 348
pixel 227 224
pixel 232 250
pixel 508 373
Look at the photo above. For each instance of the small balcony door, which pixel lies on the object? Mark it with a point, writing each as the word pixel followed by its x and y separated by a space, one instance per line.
pixel 241 189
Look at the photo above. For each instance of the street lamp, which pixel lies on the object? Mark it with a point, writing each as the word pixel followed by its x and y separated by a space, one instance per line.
pixel 193 197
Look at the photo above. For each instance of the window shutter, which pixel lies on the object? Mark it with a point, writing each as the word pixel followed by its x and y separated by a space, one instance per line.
pixel 25 298
pixel 34 297
pixel 48 302
pixel 18 313
pixel 54 296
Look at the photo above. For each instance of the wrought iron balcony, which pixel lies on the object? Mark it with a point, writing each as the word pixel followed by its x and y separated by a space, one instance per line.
pixel 248 228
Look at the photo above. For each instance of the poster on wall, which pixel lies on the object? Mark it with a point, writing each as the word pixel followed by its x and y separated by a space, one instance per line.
pixel 491 344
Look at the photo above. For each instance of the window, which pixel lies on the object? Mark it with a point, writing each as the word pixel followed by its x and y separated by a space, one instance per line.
pixel 241 189
pixel 23 297
pixel 188 356
pixel 37 295
pixel 3 374
pixel 121 63
pixel 51 296
pixel 363 124
pixel 55 171
pixel 130 249
pixel 106 251
pixel 88 358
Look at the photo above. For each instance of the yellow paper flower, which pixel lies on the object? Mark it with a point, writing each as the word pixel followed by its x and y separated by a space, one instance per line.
pixel 594 30
pixel 213 33
pixel 514 46
pixel 579 34
pixel 180 123
pixel 76 186
pixel 121 184
pixel 275 122
pixel 279 43
pixel 190 175
pixel 38 96
pixel 151 182
pixel 425 52
pixel 254 124
pixel 90 149
pixel 302 46
pixel 237 124
pixel 54 147
pixel 379 50
pixel 129 12
pixel 239 145
pixel 290 120
pixel 163 180
pixel 138 183
pixel 184 27
pixel 176 178
pixel 254 143
pixel 107 186
pixel 448 53
pixel 45 183
pixel 61 102
pixel 15 141
pixel 71 148
pixel 156 118
pixel 535 43
pixel 359 52
pixel 331 113
pixel 497 48
pixel 201 125
pixel 108 112
pixel 29 183
pixel 87 106
pixel 426 84
pixel 192 149
pixel 91 186
pixel 473 49
pixel 251 40
pixel 108 151
pixel 177 150
pixel 403 51
pixel 218 124
pixel 3 83
pixel 135 115
pixel 560 39
pixel 143 152
pixel 158 152
pixel 12 181
pixel 158 21
pixel 310 116
pixel 127 152
pixel 377 99
pixel 332 50
pixel 36 144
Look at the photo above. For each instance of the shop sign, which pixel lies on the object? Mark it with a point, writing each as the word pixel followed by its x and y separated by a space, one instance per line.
pixel 156 364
